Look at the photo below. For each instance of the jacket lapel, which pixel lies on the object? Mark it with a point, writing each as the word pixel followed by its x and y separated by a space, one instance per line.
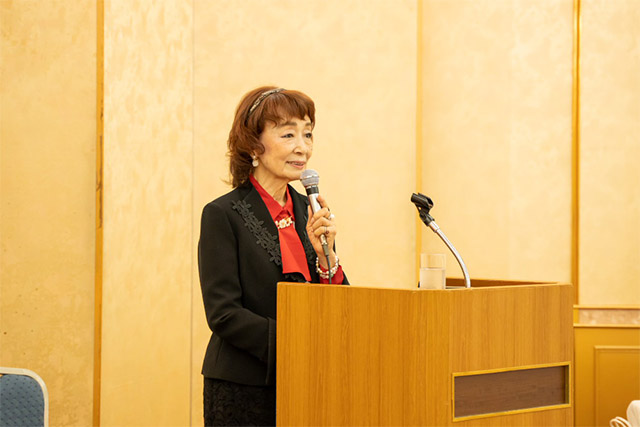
pixel 260 210
pixel 258 220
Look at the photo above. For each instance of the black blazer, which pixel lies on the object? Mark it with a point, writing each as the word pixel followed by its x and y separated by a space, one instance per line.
pixel 240 264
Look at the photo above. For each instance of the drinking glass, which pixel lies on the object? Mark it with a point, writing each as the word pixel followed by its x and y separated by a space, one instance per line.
pixel 432 271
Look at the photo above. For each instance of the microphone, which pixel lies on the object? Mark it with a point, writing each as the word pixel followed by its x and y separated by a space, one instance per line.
pixel 424 204
pixel 310 180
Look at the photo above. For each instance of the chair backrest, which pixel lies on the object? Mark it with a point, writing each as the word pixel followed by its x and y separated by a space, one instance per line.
pixel 619 422
pixel 633 413
pixel 24 400
pixel 633 416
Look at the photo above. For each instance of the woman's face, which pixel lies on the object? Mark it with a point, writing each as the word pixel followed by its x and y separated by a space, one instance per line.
pixel 287 148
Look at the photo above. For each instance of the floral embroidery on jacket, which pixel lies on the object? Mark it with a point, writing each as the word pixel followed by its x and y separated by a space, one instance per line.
pixel 264 238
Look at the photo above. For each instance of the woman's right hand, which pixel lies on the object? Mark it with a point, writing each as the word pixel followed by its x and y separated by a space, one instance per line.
pixel 322 223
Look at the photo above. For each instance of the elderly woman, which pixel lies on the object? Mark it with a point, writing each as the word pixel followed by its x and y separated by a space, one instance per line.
pixel 260 233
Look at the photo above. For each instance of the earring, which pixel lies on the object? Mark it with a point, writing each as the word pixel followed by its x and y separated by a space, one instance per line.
pixel 255 162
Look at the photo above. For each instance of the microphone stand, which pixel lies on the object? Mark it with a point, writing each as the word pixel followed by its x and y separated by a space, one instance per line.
pixel 424 205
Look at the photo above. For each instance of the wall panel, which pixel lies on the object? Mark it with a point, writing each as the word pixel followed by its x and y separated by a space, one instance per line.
pixel 607 373
pixel 497 135
pixel 146 335
pixel 617 381
pixel 47 176
pixel 610 149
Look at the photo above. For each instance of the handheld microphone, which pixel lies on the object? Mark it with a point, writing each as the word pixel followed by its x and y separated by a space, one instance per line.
pixel 310 180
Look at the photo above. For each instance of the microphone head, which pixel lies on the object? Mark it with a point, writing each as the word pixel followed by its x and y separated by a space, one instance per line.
pixel 309 178
pixel 422 201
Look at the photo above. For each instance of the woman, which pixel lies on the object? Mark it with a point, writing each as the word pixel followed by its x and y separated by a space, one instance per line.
pixel 259 234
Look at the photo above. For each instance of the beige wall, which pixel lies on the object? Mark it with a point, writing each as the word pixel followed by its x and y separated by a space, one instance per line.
pixel 47 197
pixel 148 138
pixel 497 135
pixel 496 116
pixel 610 151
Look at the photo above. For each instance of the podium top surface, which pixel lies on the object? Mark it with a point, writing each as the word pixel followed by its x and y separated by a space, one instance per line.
pixel 457 285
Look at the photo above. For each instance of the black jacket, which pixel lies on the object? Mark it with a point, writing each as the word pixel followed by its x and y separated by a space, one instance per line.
pixel 240 265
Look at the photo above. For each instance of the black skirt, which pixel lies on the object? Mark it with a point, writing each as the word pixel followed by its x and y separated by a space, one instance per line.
pixel 230 404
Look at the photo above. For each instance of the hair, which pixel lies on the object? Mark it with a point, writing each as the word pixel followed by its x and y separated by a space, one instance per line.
pixel 244 137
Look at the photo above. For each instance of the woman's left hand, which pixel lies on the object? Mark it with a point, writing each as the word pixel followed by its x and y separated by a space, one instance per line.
pixel 322 223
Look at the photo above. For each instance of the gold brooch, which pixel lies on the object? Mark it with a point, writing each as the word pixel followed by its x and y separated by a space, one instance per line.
pixel 284 222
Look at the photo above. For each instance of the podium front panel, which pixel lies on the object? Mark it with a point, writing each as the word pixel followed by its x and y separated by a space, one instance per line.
pixel 350 355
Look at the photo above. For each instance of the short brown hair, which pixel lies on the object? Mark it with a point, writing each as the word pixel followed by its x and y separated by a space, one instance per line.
pixel 244 137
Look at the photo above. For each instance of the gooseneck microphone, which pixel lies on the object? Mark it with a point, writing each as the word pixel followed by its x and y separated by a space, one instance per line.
pixel 310 180
pixel 424 204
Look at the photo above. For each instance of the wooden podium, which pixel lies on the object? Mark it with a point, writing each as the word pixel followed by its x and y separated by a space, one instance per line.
pixel 498 353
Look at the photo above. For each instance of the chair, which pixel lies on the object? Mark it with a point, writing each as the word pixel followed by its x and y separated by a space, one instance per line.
pixel 633 413
pixel 24 400
pixel 633 416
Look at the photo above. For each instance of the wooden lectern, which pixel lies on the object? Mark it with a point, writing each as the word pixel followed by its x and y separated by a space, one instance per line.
pixel 498 353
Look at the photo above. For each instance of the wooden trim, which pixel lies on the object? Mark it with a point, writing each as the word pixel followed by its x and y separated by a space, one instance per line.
pixel 603 326
pixel 606 307
pixel 97 333
pixel 510 369
pixel 575 154
pixel 567 397
pixel 419 131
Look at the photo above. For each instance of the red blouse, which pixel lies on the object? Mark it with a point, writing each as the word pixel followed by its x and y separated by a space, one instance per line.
pixel 294 259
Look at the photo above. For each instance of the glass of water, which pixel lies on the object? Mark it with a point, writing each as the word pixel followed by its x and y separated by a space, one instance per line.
pixel 432 271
